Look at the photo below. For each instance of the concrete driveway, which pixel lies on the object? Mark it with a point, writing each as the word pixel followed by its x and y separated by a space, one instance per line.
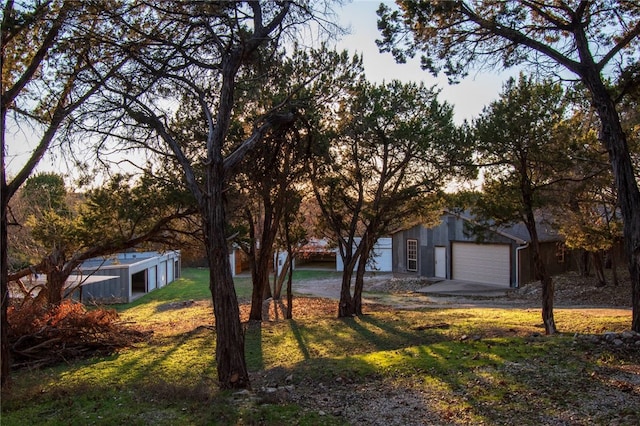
pixel 464 288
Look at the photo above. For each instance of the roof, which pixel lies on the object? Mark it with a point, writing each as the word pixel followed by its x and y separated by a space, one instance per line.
pixel 104 262
pixel 518 231
pixel 124 259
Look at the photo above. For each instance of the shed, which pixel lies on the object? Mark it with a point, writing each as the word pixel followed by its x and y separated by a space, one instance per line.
pixel 381 259
pixel 131 274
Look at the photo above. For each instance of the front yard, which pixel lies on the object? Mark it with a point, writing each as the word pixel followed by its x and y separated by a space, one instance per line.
pixel 389 367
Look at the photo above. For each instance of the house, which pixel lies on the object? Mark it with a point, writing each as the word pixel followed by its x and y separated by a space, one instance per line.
pixel 124 277
pixel 458 248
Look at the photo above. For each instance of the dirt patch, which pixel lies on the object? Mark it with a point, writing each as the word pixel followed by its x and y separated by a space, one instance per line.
pixel 176 305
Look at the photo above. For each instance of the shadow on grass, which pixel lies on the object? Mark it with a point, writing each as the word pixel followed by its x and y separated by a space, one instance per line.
pixel 155 401
pixel 302 345
pixel 500 377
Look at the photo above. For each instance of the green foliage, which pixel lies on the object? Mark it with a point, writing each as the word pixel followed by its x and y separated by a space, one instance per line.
pixel 46 191
pixel 391 150
pixel 588 213
pixel 124 209
pixel 109 216
pixel 49 209
pixel 523 140
pixel 456 37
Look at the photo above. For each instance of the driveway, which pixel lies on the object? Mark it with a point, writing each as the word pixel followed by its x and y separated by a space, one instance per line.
pixel 442 293
pixel 382 289
pixel 464 288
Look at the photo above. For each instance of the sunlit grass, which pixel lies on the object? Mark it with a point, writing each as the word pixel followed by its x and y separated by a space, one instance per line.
pixel 476 365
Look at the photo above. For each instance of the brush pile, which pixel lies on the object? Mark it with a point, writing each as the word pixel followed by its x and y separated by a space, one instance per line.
pixel 41 335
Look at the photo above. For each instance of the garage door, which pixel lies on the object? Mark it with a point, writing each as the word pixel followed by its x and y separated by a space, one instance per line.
pixel 484 263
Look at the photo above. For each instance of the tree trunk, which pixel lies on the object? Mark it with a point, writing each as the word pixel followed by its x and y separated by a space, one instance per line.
pixel 598 266
pixel 365 252
pixel 260 275
pixel 547 298
pixel 539 268
pixel 289 266
pixel 55 286
pixel 5 359
pixel 266 289
pixel 289 314
pixel 583 263
pixel 57 275
pixel 614 140
pixel 255 313
pixel 261 290
pixel 359 284
pixel 276 291
pixel 231 364
pixel 614 266
pixel 263 258
pixel 346 307
pixel 547 283
pixel 282 276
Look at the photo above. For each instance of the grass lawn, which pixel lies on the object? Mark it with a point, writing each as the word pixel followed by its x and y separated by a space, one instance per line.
pixel 429 366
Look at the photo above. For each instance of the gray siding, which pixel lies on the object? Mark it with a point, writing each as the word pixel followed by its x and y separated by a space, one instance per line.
pixel 152 264
pixel 451 229
pixel 119 290
pixel 108 291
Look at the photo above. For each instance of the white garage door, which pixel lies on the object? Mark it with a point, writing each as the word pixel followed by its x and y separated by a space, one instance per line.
pixel 484 263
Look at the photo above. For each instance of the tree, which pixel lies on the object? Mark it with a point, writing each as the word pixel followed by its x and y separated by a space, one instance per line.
pixel 300 218
pixel 586 212
pixel 269 173
pixel 118 216
pixel 197 55
pixel 523 140
pixel 392 149
pixel 50 67
pixel 588 39
pixel 41 193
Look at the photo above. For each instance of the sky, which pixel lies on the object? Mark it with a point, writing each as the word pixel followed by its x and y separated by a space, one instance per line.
pixel 467 97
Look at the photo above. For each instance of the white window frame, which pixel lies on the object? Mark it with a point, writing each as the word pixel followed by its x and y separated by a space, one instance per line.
pixel 412 255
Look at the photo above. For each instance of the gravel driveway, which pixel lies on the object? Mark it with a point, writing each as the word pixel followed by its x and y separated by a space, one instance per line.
pixel 401 292
pixel 410 292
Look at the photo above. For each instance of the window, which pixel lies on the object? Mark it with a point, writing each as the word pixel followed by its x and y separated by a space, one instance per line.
pixel 412 255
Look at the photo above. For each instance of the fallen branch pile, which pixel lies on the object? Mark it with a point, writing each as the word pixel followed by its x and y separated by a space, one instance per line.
pixel 41 335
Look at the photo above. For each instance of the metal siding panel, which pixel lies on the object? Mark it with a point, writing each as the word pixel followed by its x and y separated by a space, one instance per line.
pixel 103 292
pixel 441 235
pixel 484 263
pixel 426 260
pixel 170 270
pixel 162 273
pixel 382 255
pixel 121 289
pixel 153 280
pixel 398 251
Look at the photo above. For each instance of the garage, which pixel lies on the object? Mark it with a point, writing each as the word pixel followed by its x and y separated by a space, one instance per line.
pixel 484 263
